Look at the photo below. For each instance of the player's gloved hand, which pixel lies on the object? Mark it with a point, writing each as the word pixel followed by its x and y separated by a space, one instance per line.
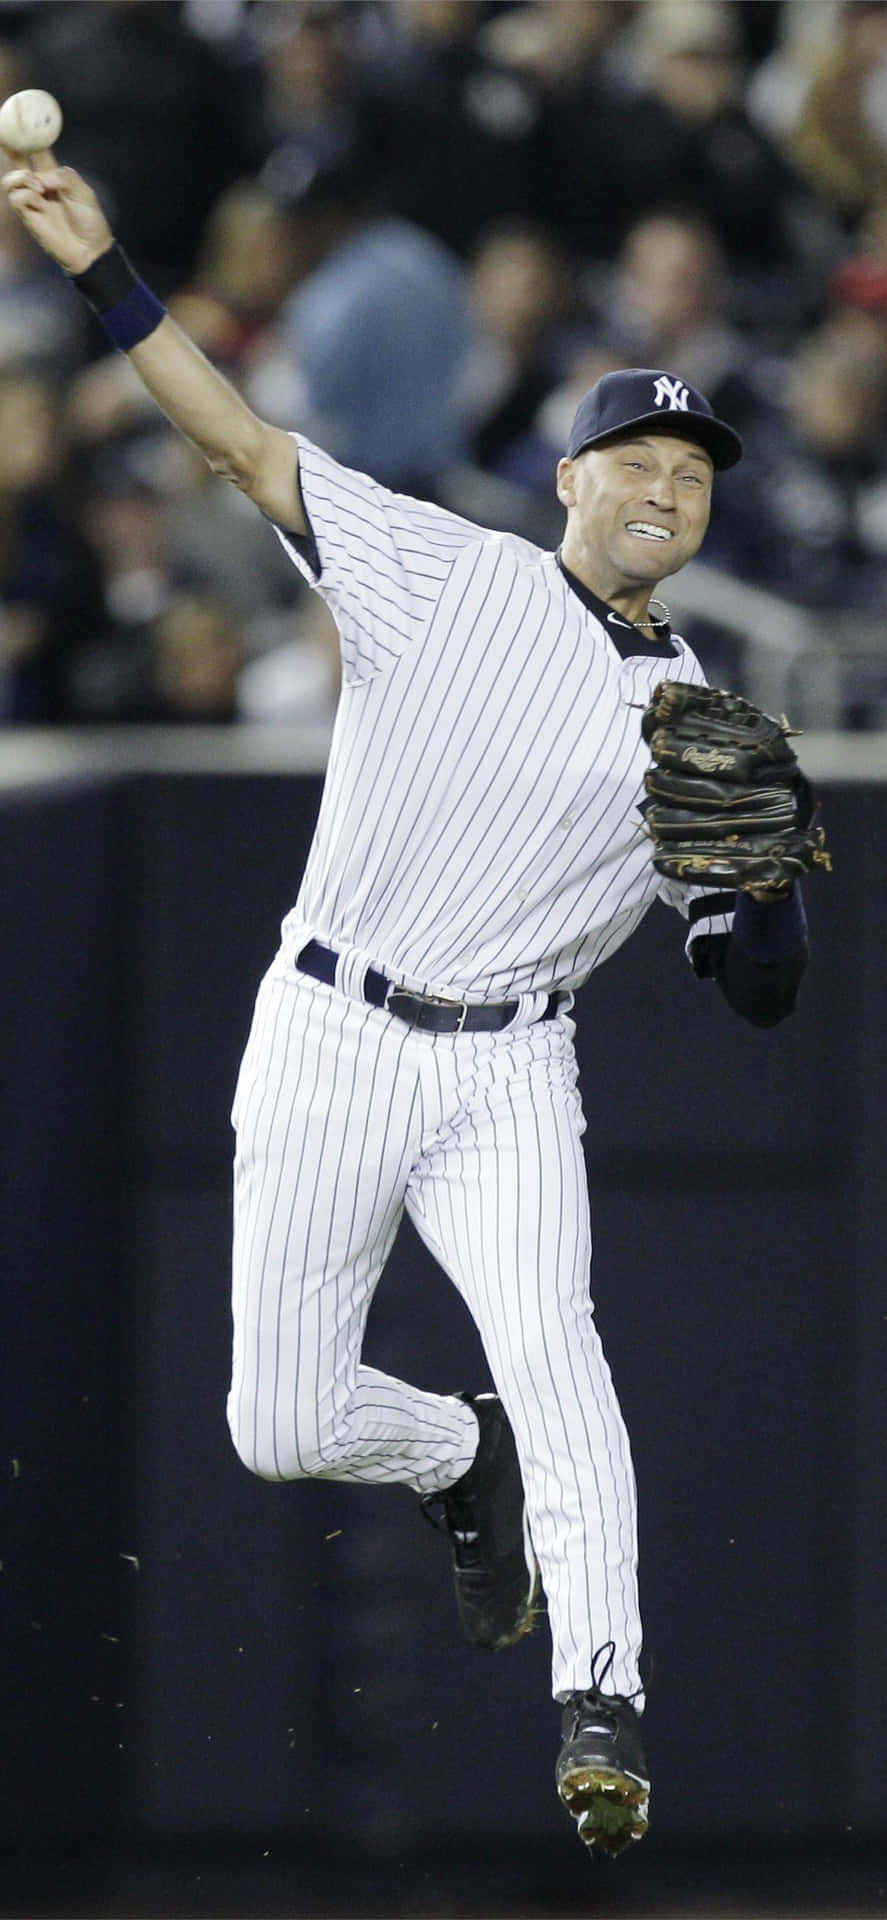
pixel 728 804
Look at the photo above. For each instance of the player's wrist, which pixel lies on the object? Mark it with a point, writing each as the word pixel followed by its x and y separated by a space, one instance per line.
pixel 107 276
pixel 771 929
pixel 127 309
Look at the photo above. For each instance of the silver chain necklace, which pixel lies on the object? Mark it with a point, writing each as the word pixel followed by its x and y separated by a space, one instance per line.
pixel 655 620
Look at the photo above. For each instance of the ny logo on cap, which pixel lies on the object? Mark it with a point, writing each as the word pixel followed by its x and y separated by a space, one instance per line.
pixel 670 393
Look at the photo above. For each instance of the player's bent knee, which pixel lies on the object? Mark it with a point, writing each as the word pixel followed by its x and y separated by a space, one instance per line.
pixel 271 1454
pixel 268 1460
pixel 260 1450
pixel 253 1455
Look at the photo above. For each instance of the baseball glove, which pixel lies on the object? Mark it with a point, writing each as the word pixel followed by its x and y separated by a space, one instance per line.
pixel 728 804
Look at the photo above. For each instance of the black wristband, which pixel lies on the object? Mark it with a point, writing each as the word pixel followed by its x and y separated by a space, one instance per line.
pixel 127 309
pixel 107 281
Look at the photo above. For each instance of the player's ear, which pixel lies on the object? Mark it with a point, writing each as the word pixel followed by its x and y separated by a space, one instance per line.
pixel 566 487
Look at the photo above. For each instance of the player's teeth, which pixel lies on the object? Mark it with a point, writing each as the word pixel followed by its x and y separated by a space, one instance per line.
pixel 648 530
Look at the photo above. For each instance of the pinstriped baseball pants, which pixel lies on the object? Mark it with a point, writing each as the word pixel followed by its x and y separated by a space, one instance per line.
pixel 345 1117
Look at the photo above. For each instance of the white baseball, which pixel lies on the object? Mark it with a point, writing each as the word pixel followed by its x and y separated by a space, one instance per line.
pixel 30 121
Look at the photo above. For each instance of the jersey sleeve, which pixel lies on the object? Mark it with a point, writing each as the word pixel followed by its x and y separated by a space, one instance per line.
pixel 707 910
pixel 379 559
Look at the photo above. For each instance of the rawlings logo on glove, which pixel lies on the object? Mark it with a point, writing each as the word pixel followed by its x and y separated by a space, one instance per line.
pixel 728 804
pixel 707 759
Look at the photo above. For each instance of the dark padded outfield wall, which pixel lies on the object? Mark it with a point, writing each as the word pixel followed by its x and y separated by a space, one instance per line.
pixel 191 1651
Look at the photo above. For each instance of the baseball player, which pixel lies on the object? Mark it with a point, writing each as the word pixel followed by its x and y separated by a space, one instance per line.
pixel 480 849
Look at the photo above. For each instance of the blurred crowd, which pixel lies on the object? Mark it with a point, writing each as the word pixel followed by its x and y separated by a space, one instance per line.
pixel 417 230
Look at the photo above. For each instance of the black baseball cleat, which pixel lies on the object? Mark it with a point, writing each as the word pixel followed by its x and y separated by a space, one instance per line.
pixel 494 1568
pixel 602 1776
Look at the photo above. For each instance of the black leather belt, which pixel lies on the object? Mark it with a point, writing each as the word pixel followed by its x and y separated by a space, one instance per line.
pixel 427 1011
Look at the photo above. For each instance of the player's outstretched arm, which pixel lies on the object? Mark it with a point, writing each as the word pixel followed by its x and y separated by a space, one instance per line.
pixel 64 216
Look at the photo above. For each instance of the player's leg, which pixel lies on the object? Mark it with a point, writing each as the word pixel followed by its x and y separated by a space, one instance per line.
pixel 502 1201
pixel 327 1122
pixel 501 1198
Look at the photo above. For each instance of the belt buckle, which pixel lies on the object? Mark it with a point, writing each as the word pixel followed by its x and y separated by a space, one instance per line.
pixel 439 1000
pixel 432 1000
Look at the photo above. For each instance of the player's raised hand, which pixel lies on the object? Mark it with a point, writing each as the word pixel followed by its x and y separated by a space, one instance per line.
pixel 60 211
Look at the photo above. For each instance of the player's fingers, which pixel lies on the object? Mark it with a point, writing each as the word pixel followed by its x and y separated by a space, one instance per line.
pixel 43 179
pixel 68 183
pixel 25 177
pixel 43 161
pixel 25 198
pixel 62 181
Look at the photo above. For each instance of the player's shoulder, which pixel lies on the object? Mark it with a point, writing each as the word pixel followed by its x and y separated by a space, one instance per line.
pixel 522 554
pixel 497 549
pixel 687 666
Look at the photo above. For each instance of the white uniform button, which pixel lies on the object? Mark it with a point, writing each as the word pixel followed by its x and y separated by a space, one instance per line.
pixel 566 825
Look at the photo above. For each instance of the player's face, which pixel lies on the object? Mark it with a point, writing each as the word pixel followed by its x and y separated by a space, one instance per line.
pixel 636 511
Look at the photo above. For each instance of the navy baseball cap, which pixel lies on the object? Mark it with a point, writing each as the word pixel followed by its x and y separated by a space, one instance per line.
pixel 646 400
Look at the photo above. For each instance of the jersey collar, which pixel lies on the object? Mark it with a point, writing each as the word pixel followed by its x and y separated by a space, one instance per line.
pixel 628 639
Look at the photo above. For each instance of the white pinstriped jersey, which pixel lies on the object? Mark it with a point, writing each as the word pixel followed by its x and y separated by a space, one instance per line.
pixel 480 830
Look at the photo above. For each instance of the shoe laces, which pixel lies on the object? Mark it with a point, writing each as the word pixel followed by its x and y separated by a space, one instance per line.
pixel 593 1700
pixel 607 1654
